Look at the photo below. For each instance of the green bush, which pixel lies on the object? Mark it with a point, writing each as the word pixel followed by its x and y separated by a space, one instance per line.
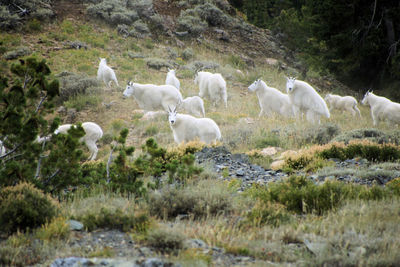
pixel 268 213
pixel 23 206
pixel 115 219
pixel 369 151
pixel 301 195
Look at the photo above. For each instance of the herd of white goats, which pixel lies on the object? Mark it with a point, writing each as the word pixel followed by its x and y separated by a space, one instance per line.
pixel 301 98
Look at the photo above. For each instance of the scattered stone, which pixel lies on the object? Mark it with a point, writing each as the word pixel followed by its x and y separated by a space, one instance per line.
pixel 75 225
pixel 270 151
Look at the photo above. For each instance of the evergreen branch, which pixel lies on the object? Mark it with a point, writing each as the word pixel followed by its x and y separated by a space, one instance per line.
pixel 51 177
pixel 11 151
pixel 40 103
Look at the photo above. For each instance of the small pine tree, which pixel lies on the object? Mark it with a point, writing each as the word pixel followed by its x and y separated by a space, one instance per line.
pixel 24 104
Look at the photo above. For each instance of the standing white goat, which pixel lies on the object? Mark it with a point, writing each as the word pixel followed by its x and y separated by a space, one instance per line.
pixel 152 97
pixel 186 128
pixel 271 99
pixel 382 108
pixel 304 98
pixel 193 105
pixel 93 133
pixel 172 80
pixel 213 86
pixel 105 73
pixel 345 103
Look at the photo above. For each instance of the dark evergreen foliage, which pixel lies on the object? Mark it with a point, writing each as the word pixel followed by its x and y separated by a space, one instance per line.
pixel 355 40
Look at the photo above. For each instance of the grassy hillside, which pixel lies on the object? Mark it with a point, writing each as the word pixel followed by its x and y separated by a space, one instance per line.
pixel 355 226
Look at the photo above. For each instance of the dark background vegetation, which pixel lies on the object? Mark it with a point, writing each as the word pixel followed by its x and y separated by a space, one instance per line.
pixel 356 41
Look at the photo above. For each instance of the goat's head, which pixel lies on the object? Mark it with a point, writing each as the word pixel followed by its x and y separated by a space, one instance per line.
pixel 129 89
pixel 290 84
pixel 172 115
pixel 253 87
pixel 367 95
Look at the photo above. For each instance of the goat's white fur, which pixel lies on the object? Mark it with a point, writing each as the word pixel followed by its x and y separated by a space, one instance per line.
pixel 304 98
pixel 106 74
pixel 271 99
pixel 152 97
pixel 213 86
pixel 172 80
pixel 345 103
pixel 93 133
pixel 193 105
pixel 382 108
pixel 186 128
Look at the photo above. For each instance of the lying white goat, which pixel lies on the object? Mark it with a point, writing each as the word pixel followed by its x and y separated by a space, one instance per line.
pixel 186 128
pixel 193 105
pixel 304 98
pixel 382 108
pixel 213 86
pixel 345 103
pixel 93 133
pixel 105 73
pixel 271 99
pixel 172 80
pixel 152 97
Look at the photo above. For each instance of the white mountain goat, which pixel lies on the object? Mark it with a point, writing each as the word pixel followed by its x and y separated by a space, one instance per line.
pixel 304 98
pixel 93 133
pixel 382 108
pixel 345 103
pixel 193 105
pixel 152 97
pixel 106 74
pixel 172 80
pixel 213 86
pixel 271 99
pixel 186 128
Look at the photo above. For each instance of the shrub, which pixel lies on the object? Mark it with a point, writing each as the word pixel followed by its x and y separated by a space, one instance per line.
pixel 56 229
pixel 268 213
pixel 187 54
pixel 156 63
pixel 165 240
pixel 300 195
pixel 115 219
pixel 192 24
pixel 73 85
pixel 23 206
pixel 8 21
pixel 394 186
pixel 199 201
pixel 213 15
pixel 34 25
pixel 367 150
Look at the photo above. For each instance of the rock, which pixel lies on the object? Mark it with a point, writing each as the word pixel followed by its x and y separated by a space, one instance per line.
pixel 75 225
pixel 196 243
pixel 270 151
pixel 317 248
pixel 70 262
